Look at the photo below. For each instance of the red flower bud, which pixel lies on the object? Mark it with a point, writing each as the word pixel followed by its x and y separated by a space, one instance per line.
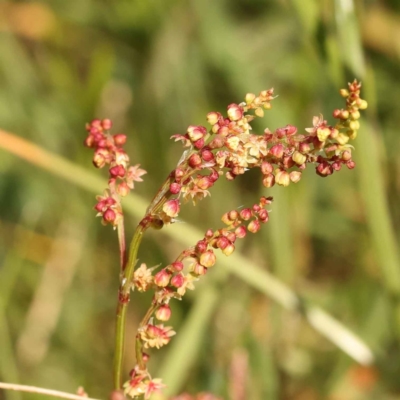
pixel 263 215
pixel 106 124
pixel 213 117
pixel 201 246
pixel 208 259
pixel 163 313
pixel 175 188
pixel 324 169
pixel 235 112
pixel 195 160
pixel 119 139
pixel 172 208
pixel 162 278
pixel 240 232
pixel 196 132
pixel 109 215
pixel 204 183
pixel 207 155
pixel 350 164
pixel 245 214
pixel 254 226
pixel 177 266
pixel 277 150
pixel 198 269
pixel 177 280
pixel 268 180
pixel 228 250
pixel 266 168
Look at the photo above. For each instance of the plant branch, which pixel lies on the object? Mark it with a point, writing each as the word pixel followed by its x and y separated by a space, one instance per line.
pixel 47 392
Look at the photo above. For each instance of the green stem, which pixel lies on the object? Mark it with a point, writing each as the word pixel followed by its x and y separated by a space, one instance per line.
pixel 123 300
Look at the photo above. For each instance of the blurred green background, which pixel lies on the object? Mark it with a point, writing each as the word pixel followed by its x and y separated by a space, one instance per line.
pixel 155 67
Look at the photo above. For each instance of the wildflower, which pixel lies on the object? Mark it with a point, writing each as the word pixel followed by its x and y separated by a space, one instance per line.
pixel 156 335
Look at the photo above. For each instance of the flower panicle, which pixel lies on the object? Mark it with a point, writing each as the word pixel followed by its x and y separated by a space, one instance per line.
pixel 230 148
pixel 108 150
pixel 176 278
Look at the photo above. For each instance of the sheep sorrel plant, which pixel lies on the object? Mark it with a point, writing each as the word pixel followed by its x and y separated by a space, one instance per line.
pixel 228 148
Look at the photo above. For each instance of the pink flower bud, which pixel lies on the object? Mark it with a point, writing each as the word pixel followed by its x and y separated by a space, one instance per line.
pixel 175 188
pixel 199 144
pixel 207 155
pixel 177 266
pixel 337 166
pixel 246 214
pixel 290 130
pixel 266 168
pixel 163 313
pixel 100 206
pixel 178 174
pixel 172 208
pixel 254 226
pixel 177 280
pixel 196 132
pixel 213 117
pixel 268 180
pixel 277 150
pixel 324 169
pixel 222 242
pixel 195 160
pixel 304 148
pixel 230 236
pixel 240 232
pixel 336 113
pixel 162 278
pixel 350 164
pixel 208 259
pixel 263 215
pixel 214 176
pixel 209 233
pixel 106 124
pixel 235 112
pixel 109 215
pixel 233 215
pixel 228 250
pixel 201 246
pixel 123 189
pixel 204 183
pixel 117 171
pixel 119 139
pixel 199 269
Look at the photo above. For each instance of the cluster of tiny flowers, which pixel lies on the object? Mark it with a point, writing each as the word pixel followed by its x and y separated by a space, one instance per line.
pixel 108 150
pixel 229 148
pixel 141 383
pixel 173 280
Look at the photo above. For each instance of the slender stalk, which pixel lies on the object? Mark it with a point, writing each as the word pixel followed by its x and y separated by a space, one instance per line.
pixel 122 244
pixel 139 347
pixel 47 392
pixel 123 300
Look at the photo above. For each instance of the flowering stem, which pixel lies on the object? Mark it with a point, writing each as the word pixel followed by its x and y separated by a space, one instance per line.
pixel 123 299
pixel 47 392
pixel 122 243
pixel 139 347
